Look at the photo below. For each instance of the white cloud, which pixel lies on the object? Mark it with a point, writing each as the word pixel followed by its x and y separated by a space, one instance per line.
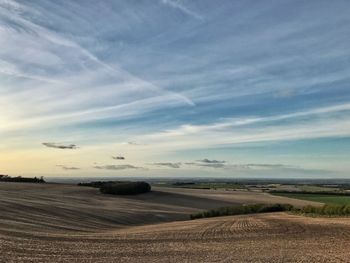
pixel 174 83
pixel 58 82
pixel 319 123
pixel 177 4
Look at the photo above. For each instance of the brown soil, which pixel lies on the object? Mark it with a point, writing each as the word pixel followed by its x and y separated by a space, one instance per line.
pixel 63 223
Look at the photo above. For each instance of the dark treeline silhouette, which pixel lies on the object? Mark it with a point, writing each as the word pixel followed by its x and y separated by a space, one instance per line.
pixel 20 179
pixel 120 187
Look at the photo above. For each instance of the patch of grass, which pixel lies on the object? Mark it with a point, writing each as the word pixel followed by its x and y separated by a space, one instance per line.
pixel 332 199
pixel 243 209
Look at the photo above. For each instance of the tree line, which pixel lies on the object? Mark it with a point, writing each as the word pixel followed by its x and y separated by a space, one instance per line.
pixel 18 179
pixel 120 187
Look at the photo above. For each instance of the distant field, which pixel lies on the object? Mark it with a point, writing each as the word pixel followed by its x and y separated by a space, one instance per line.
pixel 327 199
pixel 76 207
pixel 250 187
pixel 208 186
pixel 316 188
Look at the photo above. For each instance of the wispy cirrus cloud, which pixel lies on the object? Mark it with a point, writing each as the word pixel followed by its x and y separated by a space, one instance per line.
pixel 179 5
pixel 173 77
pixel 286 93
pixel 320 122
pixel 68 69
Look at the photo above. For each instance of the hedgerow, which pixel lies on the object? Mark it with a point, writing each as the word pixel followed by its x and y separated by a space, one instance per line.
pixel 243 209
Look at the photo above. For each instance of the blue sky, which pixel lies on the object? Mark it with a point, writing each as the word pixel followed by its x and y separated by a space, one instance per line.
pixel 176 87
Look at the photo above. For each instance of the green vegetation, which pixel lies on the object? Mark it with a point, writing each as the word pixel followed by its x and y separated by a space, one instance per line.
pixel 120 187
pixel 327 198
pixel 20 179
pixel 326 210
pixel 243 209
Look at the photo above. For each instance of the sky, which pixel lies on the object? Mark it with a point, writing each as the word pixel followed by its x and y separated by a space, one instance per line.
pixel 175 88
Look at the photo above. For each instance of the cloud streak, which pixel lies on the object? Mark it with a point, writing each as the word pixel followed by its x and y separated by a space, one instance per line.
pixel 330 121
pixel 68 168
pixel 59 146
pixel 175 79
pixel 177 4
pixel 168 164
pixel 118 157
pixel 209 165
pixel 211 161
pixel 68 68
pixel 116 167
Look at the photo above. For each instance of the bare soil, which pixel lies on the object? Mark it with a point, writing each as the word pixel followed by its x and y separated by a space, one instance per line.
pixel 65 223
